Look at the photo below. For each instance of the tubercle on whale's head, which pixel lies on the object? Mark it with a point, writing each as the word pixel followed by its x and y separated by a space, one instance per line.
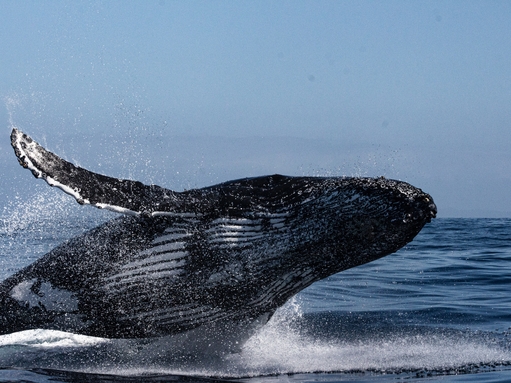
pixel 425 209
pixel 369 219
pixel 416 205
pixel 405 202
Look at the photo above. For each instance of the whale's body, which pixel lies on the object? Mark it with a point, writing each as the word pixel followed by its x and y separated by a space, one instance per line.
pixel 219 259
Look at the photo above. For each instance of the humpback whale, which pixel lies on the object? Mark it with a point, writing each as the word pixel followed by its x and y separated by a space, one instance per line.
pixel 218 259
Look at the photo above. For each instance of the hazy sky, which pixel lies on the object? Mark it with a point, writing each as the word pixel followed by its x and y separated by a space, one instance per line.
pixel 187 93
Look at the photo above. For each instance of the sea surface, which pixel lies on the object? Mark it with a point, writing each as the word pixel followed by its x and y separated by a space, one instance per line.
pixel 437 310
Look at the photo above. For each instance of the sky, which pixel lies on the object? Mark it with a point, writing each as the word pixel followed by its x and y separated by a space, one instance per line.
pixel 185 94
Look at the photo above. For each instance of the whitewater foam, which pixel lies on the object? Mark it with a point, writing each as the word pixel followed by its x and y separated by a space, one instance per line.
pixel 280 347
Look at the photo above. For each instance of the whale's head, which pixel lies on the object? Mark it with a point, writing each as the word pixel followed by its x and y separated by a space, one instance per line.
pixel 352 221
pixel 333 223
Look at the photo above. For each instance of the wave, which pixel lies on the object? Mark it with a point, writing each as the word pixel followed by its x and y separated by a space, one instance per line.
pixel 291 343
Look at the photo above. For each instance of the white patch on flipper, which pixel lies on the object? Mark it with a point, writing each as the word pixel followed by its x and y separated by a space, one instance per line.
pixel 53 299
pixel 22 292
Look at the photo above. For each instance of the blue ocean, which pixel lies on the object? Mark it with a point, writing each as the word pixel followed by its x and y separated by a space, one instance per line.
pixel 437 310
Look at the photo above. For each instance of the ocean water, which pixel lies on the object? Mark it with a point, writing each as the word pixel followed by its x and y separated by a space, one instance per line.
pixel 437 310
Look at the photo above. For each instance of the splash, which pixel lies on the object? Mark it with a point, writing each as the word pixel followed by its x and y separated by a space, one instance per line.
pixel 30 227
pixel 288 346
pixel 41 339
pixel 46 211
pixel 42 208
pixel 11 103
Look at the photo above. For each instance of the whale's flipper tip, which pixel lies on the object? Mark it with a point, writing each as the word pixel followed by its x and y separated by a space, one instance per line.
pixel 27 151
pixel 15 138
pixel 44 164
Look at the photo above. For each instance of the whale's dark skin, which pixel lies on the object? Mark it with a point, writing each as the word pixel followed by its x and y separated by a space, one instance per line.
pixel 176 261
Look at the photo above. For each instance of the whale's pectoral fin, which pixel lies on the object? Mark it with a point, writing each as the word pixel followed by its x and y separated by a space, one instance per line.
pixel 124 196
